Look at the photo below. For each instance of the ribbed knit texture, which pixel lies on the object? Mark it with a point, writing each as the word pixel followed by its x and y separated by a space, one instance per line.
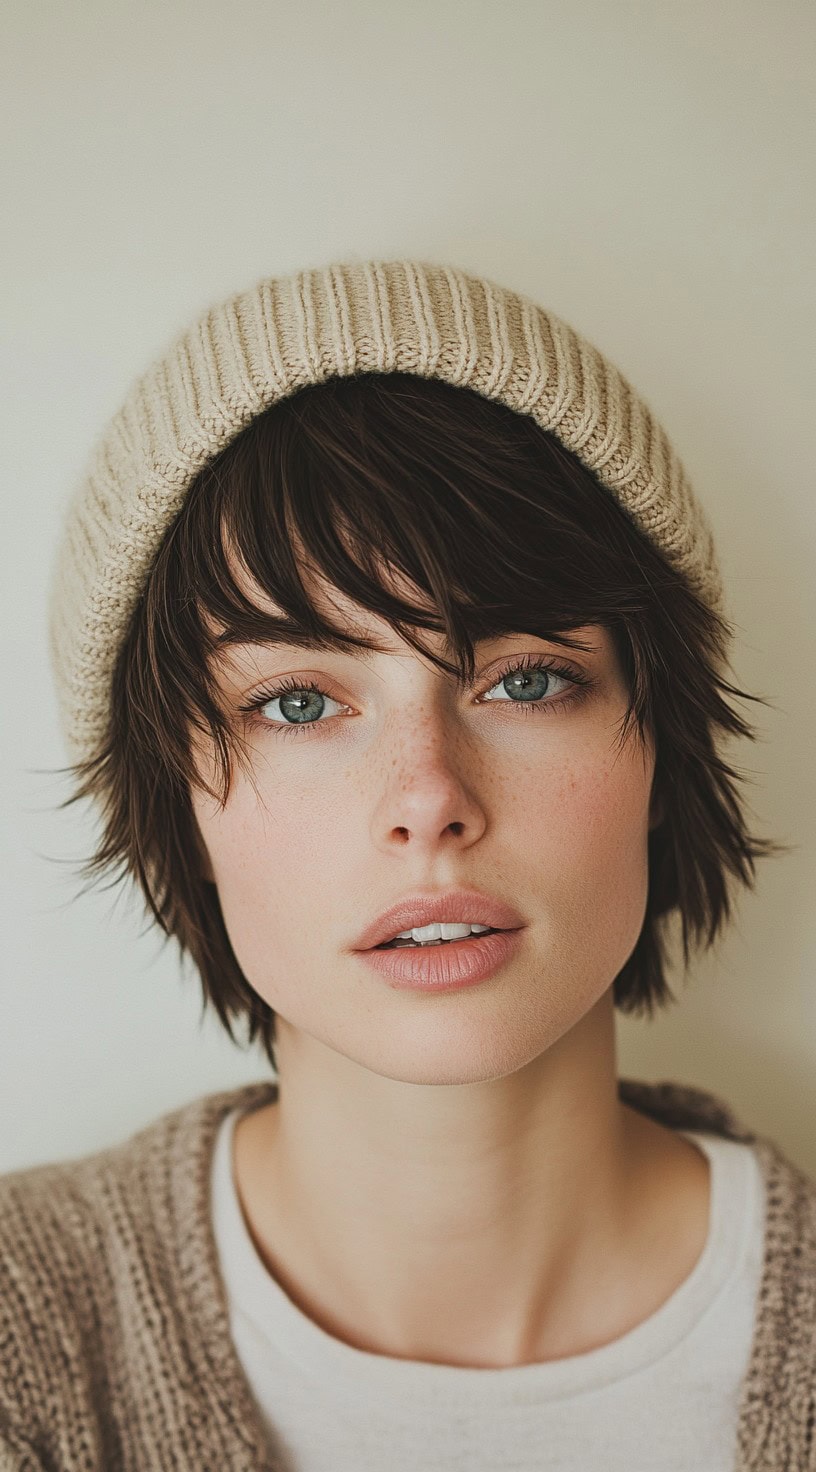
pixel 263 344
pixel 115 1347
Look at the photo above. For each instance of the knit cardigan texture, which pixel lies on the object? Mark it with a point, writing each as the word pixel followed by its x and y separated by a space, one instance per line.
pixel 115 1345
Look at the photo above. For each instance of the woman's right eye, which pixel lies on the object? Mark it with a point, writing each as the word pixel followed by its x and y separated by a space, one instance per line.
pixel 300 703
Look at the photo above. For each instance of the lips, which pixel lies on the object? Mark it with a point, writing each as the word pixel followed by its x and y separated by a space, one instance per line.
pixel 468 905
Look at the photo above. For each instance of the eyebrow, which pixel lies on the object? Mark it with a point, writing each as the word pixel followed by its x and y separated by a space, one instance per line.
pixel 293 638
pixel 285 636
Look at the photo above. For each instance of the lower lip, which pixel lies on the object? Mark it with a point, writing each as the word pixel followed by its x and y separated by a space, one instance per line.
pixel 445 968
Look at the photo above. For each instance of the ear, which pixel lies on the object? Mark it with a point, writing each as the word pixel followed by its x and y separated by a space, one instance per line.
pixel 657 811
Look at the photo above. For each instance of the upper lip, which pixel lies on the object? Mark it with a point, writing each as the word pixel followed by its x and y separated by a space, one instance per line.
pixel 467 905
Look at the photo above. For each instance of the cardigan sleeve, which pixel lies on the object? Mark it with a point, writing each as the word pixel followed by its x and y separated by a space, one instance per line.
pixel 17 1455
pixel 49 1417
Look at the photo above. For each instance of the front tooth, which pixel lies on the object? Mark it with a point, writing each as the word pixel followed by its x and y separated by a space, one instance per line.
pixel 428 932
pixel 441 930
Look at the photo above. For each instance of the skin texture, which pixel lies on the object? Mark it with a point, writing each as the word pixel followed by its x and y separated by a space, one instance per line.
pixel 451 1177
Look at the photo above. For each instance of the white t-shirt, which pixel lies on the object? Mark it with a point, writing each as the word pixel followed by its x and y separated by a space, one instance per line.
pixel 663 1398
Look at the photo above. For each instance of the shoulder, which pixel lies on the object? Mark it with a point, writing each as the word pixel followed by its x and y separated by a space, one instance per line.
pixel 778 1403
pixel 790 1191
pixel 778 1407
pixel 89 1259
pixel 52 1268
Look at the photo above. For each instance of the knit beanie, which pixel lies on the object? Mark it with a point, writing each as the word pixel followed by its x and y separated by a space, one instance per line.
pixel 262 345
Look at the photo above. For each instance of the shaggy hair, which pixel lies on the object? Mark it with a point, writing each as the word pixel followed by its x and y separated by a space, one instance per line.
pixel 502 530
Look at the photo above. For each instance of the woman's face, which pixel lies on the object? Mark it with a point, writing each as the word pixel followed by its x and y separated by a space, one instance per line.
pixel 402 781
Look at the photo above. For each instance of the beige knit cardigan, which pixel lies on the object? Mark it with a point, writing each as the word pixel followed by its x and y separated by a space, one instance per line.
pixel 115 1347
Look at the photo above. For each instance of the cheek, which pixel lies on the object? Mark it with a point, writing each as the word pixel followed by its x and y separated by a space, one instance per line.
pixel 273 856
pixel 261 836
pixel 605 814
pixel 589 828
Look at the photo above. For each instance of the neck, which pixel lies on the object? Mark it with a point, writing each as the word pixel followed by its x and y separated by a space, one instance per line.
pixel 458 1224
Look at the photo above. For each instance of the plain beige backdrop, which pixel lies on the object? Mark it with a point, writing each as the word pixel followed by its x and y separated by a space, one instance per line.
pixel 642 167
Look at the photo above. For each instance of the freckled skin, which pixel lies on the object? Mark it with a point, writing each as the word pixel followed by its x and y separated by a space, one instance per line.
pixel 422 788
pixel 378 1204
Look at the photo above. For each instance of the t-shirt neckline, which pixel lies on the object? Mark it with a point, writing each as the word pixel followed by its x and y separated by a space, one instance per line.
pixel 257 1295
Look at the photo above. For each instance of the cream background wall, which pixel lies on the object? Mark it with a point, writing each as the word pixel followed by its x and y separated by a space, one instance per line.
pixel 646 171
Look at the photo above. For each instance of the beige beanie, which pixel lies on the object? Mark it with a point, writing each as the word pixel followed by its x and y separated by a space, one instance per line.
pixel 261 345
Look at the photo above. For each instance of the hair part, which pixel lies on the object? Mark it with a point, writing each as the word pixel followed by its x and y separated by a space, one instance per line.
pixel 502 530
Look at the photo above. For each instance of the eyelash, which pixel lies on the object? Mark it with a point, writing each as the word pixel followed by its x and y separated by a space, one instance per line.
pixel 581 684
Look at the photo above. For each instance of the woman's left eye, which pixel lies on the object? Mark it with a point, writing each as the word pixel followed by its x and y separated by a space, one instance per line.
pixel 524 684
pixel 531 681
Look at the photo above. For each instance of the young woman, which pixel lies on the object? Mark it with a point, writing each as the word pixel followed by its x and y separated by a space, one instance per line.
pixel 389 641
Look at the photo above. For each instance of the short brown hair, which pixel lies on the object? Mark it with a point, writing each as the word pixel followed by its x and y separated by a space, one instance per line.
pixel 504 530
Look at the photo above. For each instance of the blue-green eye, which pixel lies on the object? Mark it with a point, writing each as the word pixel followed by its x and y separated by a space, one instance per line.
pixel 529 685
